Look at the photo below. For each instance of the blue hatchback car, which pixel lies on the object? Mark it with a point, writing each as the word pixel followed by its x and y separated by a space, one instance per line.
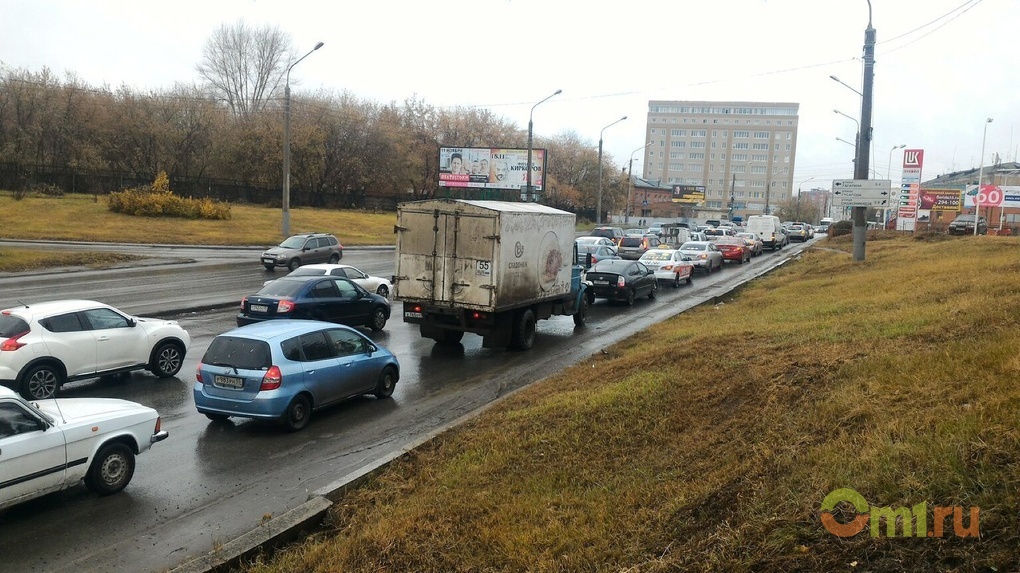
pixel 282 370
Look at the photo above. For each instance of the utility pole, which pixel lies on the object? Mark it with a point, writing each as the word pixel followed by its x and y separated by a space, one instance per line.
pixel 732 185
pixel 861 167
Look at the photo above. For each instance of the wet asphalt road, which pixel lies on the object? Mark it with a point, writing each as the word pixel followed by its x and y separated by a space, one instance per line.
pixel 209 483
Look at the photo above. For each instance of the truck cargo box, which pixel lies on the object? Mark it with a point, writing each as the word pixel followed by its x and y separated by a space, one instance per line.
pixel 487 256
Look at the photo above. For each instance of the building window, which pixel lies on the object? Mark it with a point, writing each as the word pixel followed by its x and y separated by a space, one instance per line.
pixel 740 146
pixel 698 144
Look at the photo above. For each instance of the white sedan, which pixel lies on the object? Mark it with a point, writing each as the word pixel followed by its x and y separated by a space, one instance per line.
pixel 669 265
pixel 378 285
pixel 50 445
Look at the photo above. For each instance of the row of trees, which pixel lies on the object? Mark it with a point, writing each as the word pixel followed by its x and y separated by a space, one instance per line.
pixel 343 149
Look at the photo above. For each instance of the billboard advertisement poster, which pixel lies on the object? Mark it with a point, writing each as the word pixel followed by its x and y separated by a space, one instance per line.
pixel 688 194
pixel 490 168
pixel 939 199
pixel 1005 196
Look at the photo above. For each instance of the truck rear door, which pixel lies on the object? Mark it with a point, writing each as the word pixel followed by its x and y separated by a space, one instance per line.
pixel 447 257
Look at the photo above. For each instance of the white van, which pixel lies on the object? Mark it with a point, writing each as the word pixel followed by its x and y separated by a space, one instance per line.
pixel 769 229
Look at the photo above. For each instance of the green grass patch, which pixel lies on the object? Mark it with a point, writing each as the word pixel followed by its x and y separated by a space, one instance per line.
pixel 712 449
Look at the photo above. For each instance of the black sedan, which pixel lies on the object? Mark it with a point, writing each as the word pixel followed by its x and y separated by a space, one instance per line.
pixel 622 280
pixel 327 298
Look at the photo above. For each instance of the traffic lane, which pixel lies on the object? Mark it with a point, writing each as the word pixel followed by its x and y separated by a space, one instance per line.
pixel 168 288
pixel 210 483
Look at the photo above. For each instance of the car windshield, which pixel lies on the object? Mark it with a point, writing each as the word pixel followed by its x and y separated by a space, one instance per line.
pixel 281 287
pixel 306 272
pixel 11 325
pixel 612 265
pixel 657 255
pixel 240 353
pixel 293 243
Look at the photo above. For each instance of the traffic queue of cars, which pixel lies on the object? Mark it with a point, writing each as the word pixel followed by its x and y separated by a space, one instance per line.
pixel 297 347
pixel 295 350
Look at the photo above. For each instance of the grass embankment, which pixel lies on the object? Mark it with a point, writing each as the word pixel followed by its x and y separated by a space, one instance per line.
pixel 709 443
pixel 86 218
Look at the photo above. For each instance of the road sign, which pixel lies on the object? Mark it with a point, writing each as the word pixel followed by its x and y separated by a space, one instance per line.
pixel 861 192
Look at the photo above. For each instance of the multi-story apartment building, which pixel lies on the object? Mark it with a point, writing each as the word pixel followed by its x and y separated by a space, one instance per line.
pixel 742 152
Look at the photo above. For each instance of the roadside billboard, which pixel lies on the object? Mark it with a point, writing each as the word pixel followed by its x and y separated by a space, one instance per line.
pixel 1005 196
pixel 490 168
pixel 939 200
pixel 690 194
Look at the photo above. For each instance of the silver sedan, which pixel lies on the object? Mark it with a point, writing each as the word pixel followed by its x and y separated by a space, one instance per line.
pixel 706 255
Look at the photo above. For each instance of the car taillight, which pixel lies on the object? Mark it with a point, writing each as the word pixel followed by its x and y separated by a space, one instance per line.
pixel 159 424
pixel 12 343
pixel 272 379
pixel 284 306
pixel 243 301
pixel 198 373
pixel 621 282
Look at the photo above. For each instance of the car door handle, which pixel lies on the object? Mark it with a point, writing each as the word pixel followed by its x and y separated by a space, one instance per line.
pixel 103 339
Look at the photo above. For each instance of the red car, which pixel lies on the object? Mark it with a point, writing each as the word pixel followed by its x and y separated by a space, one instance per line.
pixel 734 249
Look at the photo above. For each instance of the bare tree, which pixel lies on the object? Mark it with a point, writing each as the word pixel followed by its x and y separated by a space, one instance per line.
pixel 245 65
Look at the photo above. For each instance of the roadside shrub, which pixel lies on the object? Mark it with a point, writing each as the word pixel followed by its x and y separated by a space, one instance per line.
pixel 841 228
pixel 157 200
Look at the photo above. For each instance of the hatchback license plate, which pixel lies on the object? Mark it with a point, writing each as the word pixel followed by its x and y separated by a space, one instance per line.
pixel 259 308
pixel 228 382
pixel 601 282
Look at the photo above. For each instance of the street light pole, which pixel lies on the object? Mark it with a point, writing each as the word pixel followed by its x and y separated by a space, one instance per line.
pixel 860 228
pixel 630 180
pixel 981 175
pixel 888 172
pixel 598 210
pixel 286 143
pixel 798 194
pixel 529 190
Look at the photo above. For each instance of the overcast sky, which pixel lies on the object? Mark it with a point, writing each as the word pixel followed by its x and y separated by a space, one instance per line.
pixel 941 66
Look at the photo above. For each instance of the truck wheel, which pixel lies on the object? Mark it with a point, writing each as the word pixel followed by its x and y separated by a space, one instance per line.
pixel 581 316
pixel 523 335
pixel 452 336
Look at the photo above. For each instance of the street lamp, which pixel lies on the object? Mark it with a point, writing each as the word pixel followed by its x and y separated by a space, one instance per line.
pixel 846 86
pixel 888 172
pixel 529 191
pixel 798 194
pixel 981 175
pixel 598 210
pixel 630 180
pixel 286 143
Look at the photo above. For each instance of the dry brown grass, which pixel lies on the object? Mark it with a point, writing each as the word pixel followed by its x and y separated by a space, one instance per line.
pixel 86 218
pixel 18 260
pixel 712 449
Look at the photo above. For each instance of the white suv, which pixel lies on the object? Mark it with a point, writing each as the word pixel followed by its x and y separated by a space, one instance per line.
pixel 46 344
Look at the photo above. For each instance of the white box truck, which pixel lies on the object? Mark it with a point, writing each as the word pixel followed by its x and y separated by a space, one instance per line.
pixel 493 268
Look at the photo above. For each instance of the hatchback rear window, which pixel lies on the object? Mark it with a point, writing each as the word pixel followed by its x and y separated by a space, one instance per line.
pixel 11 325
pixel 241 353
pixel 631 242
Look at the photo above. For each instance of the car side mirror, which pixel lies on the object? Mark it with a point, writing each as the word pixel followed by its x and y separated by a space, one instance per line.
pixel 132 322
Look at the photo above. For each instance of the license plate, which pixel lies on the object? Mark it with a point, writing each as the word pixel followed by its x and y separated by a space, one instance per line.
pixel 228 382
pixel 259 308
pixel 269 261
pixel 601 282
pixel 413 315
